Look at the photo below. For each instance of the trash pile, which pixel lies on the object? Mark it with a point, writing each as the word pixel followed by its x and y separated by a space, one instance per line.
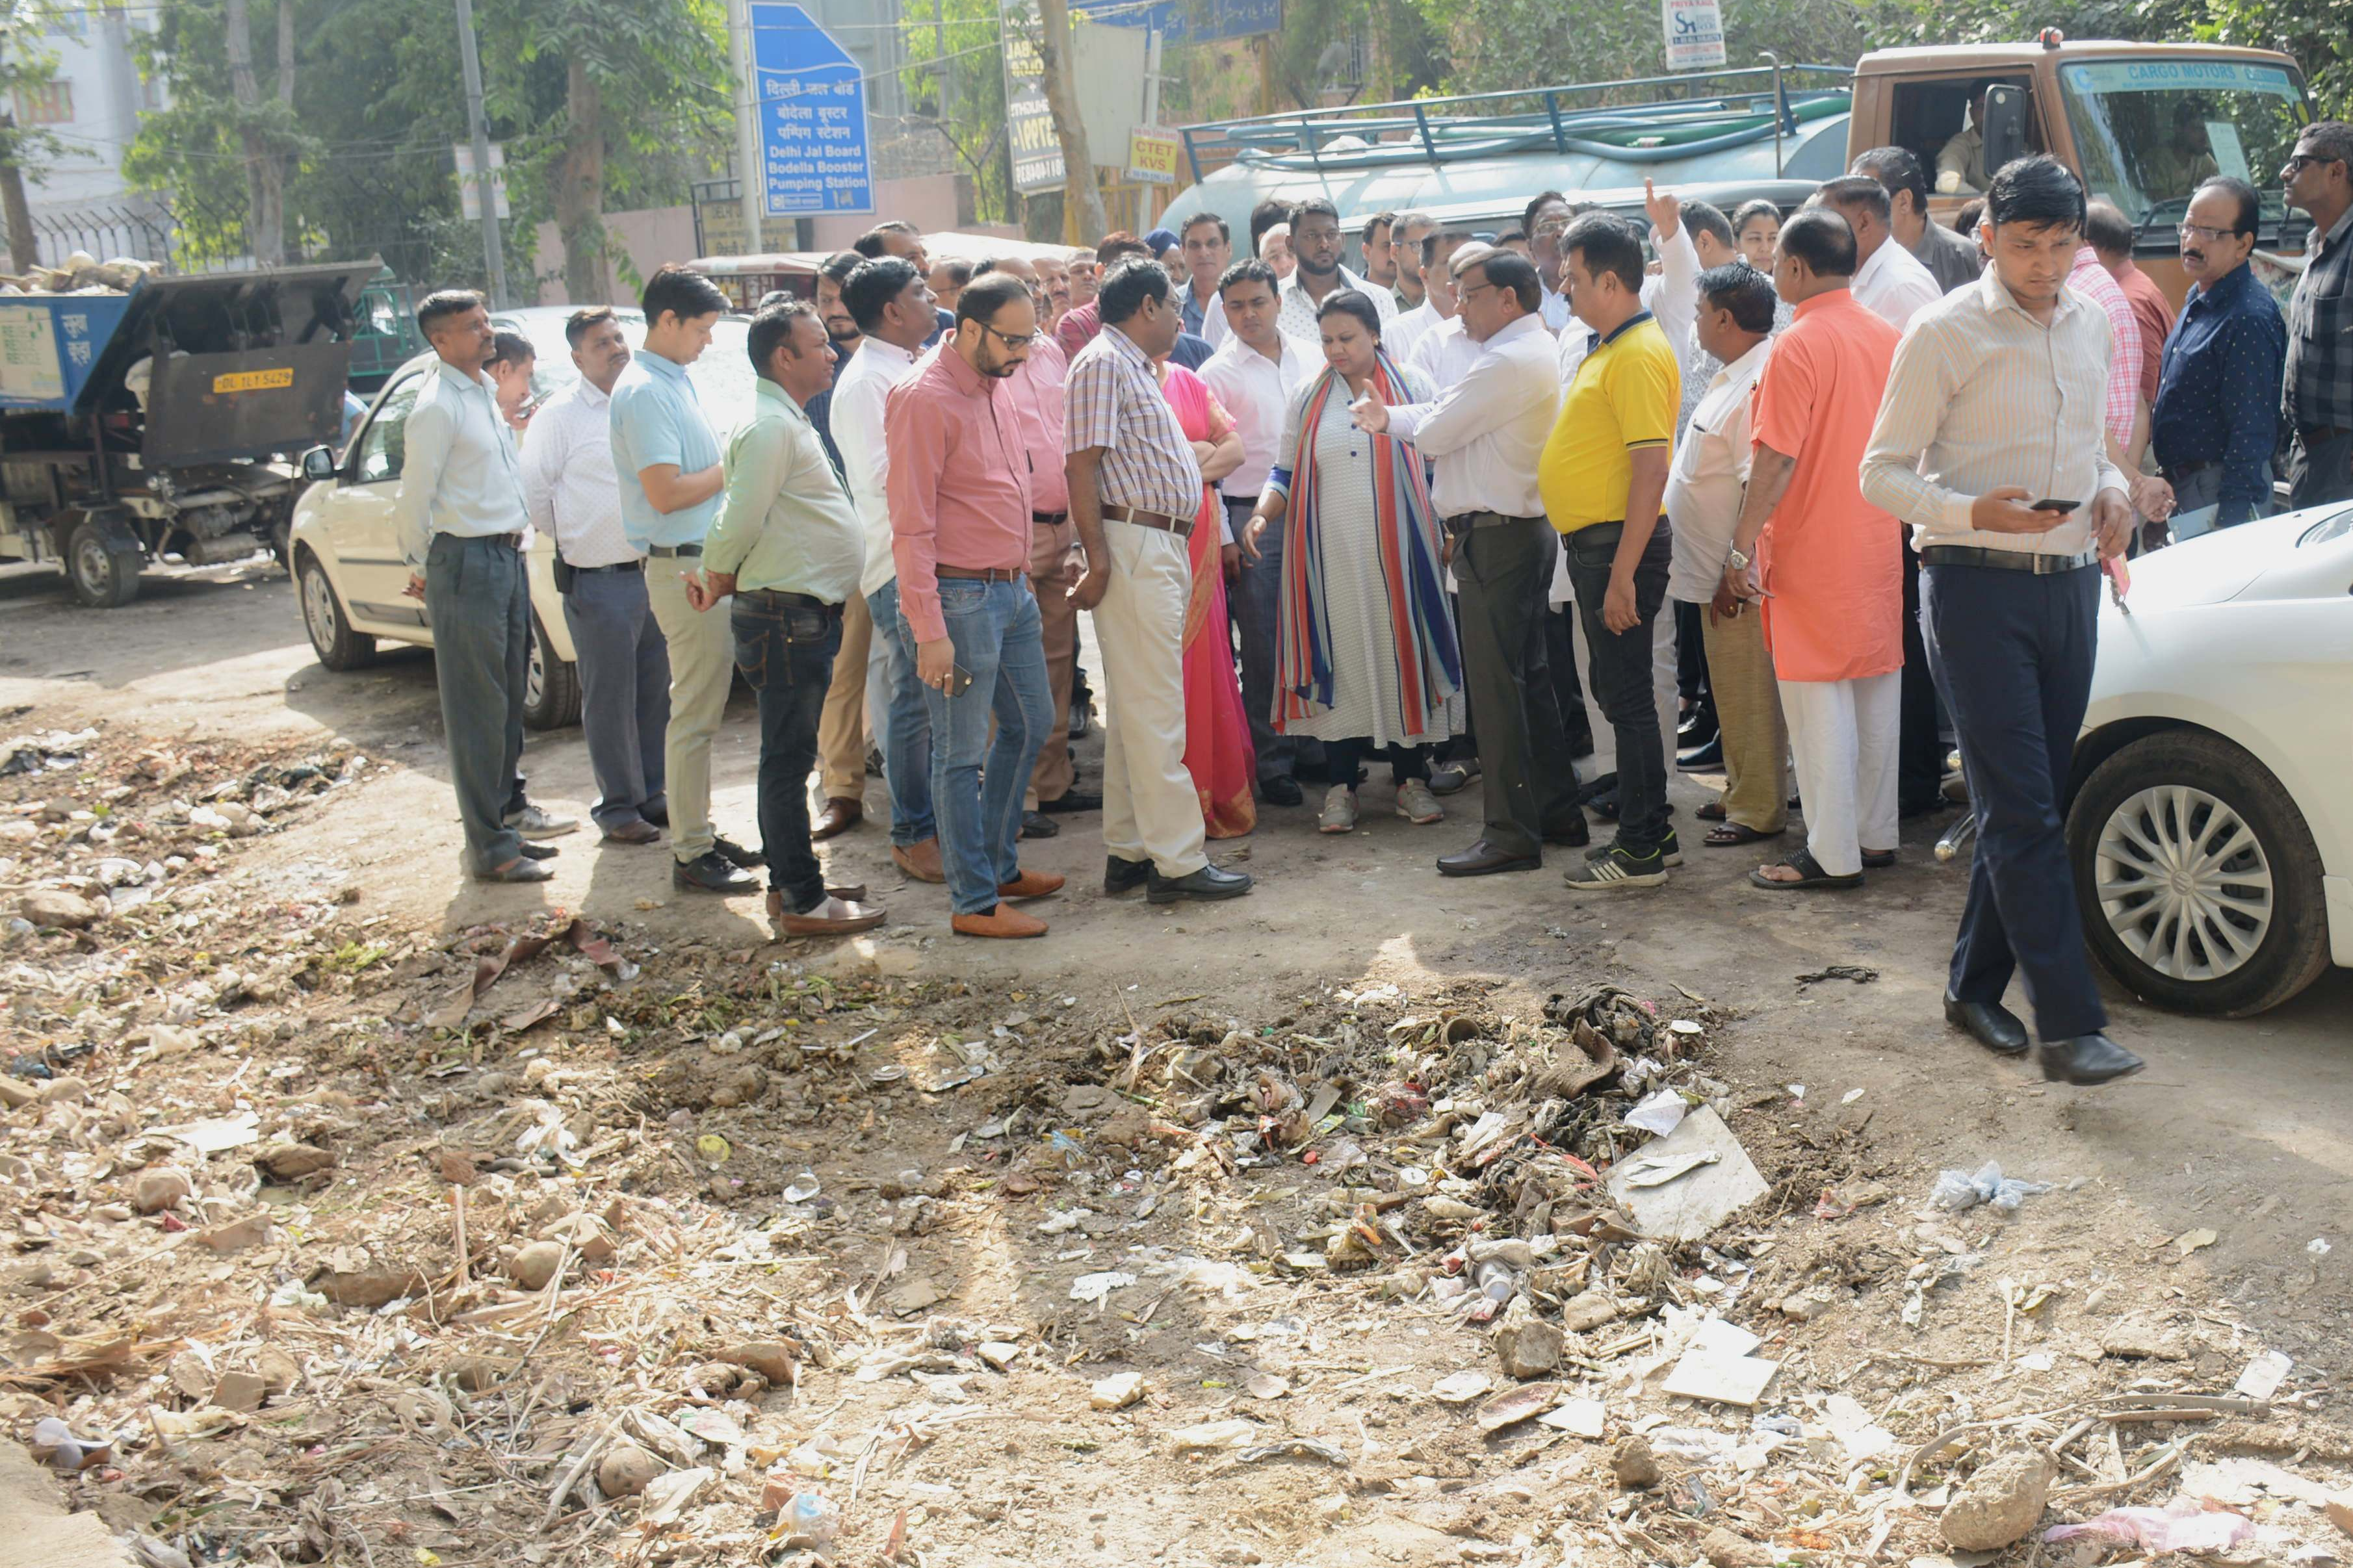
pixel 82 273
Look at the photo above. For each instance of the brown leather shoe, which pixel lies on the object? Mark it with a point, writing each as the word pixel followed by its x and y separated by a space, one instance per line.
pixel 839 816
pixel 853 894
pixel 638 832
pixel 920 860
pixel 1004 920
pixel 858 918
pixel 1030 885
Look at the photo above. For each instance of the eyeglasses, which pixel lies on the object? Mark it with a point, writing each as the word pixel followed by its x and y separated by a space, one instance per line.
pixel 1009 340
pixel 2297 162
pixel 2206 232
pixel 1462 291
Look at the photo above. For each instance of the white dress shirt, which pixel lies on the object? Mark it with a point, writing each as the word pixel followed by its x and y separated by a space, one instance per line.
pixel 1711 469
pixel 569 482
pixel 460 474
pixel 1893 285
pixel 1256 391
pixel 1486 431
pixel 1445 354
pixel 1554 307
pixel 1982 395
pixel 855 416
pixel 1408 328
pixel 1297 316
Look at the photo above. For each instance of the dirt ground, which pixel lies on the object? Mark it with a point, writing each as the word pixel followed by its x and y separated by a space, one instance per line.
pixel 440 1429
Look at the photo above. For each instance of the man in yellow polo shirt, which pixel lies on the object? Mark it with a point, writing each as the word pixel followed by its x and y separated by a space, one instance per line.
pixel 1603 476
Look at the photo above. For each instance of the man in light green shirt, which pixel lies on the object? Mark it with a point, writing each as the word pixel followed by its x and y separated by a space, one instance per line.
pixel 790 549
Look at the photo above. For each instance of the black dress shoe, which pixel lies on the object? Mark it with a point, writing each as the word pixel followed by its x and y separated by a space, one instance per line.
pixel 539 851
pixel 1124 876
pixel 1070 802
pixel 1281 791
pixel 657 813
pixel 1209 882
pixel 1081 715
pixel 1036 826
pixel 711 873
pixel 1922 806
pixel 2086 1059
pixel 736 852
pixel 1990 1024
pixel 1702 758
pixel 1484 859
pixel 1576 835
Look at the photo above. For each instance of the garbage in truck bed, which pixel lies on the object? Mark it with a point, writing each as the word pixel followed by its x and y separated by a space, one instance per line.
pixel 81 273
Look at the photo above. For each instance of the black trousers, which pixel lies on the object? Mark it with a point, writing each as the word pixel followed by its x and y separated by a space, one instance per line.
pixel 1567 691
pixel 1622 673
pixel 785 652
pixel 2013 654
pixel 1920 743
pixel 1346 760
pixel 1503 567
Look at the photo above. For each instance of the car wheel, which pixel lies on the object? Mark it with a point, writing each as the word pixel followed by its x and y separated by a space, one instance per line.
pixel 2198 882
pixel 332 639
pixel 551 695
pixel 102 565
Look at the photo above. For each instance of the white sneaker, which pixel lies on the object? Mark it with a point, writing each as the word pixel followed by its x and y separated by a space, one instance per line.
pixel 1416 804
pixel 532 822
pixel 1339 813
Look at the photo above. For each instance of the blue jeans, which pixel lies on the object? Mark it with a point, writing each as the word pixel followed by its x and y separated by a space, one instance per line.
pixel 1622 673
pixel 906 725
pixel 999 640
pixel 785 652
pixel 2013 654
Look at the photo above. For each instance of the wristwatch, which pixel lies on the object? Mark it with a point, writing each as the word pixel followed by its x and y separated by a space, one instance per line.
pixel 1736 561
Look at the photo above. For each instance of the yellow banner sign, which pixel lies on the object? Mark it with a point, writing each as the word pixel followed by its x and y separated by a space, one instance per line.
pixel 253 380
pixel 1154 155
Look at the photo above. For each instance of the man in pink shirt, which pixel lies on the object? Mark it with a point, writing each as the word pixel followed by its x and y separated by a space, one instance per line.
pixel 1037 393
pixel 1830 567
pixel 960 502
pixel 1083 320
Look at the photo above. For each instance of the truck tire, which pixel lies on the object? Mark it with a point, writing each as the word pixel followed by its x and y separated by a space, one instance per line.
pixel 550 696
pixel 338 646
pixel 2165 909
pixel 102 563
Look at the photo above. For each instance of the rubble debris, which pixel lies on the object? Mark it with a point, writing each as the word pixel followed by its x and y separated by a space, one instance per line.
pixel 1723 1549
pixel 159 1188
pixel 626 1470
pixel 1116 1392
pixel 2000 1503
pixel 2180 1526
pixel 1709 1178
pixel 537 1264
pixel 1634 1464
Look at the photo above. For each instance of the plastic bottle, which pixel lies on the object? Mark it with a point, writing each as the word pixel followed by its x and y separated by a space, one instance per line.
pixel 1498 1282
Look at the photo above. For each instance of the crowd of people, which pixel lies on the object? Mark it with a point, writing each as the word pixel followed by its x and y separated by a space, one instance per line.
pixel 1324 518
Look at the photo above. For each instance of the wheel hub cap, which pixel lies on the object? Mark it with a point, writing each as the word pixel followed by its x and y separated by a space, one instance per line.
pixel 2183 882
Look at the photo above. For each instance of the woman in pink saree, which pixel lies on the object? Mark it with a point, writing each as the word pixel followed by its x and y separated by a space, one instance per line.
pixel 1218 750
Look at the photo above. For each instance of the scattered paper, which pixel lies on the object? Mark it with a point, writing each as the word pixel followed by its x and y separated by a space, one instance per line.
pixel 2263 1374
pixel 1095 1287
pixel 1722 1379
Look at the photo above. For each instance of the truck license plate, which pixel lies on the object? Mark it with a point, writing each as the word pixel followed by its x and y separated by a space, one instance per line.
pixel 253 380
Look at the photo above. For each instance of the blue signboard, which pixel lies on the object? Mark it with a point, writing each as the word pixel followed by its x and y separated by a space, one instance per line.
pixel 1189 21
pixel 813 140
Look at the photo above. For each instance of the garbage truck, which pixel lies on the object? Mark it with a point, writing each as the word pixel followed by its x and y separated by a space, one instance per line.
pixel 166 419
pixel 2141 123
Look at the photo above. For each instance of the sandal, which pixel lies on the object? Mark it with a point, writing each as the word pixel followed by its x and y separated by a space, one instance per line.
pixel 1734 833
pixel 1712 812
pixel 1810 876
pixel 1878 859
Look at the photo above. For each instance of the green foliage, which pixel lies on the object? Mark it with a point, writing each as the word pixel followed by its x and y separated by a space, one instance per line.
pixel 25 60
pixel 956 80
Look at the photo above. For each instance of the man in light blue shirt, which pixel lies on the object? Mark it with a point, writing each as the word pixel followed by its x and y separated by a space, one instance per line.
pixel 459 519
pixel 666 457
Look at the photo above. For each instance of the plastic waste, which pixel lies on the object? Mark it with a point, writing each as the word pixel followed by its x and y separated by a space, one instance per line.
pixel 814 1517
pixel 1661 1113
pixel 1959 1190
pixel 2180 1526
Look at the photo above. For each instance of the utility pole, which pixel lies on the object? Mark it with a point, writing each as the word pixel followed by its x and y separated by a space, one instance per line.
pixel 494 256
pixel 1082 197
pixel 751 178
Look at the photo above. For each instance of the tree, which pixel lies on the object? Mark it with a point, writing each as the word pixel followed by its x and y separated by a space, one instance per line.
pixel 265 128
pixel 1078 160
pixel 956 78
pixel 25 61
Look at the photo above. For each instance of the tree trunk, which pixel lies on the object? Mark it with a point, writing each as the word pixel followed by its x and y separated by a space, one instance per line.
pixel 265 236
pixel 580 189
pixel 1080 190
pixel 24 244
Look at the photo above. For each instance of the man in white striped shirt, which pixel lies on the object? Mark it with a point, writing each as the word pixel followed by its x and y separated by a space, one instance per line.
pixel 574 497
pixel 1990 443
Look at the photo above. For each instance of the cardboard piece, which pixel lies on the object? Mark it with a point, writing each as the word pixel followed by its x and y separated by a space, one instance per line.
pixel 1720 1181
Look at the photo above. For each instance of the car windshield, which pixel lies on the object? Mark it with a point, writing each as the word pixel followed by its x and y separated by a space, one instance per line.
pixel 2150 130
pixel 722 375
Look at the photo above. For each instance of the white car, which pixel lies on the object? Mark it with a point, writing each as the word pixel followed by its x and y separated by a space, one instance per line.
pixel 2210 822
pixel 347 564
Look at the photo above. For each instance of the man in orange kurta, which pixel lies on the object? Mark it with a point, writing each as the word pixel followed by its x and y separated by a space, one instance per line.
pixel 1829 564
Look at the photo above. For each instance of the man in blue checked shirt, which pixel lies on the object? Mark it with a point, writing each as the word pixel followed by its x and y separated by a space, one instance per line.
pixel 2216 419
pixel 666 457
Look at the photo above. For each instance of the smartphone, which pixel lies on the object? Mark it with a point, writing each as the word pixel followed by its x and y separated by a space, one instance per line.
pixel 959 680
pixel 2050 505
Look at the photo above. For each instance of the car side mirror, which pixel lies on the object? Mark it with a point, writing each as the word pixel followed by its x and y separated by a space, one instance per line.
pixel 2005 125
pixel 319 463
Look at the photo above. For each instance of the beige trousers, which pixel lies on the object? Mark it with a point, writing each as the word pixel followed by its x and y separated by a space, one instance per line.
pixel 1748 707
pixel 1150 809
pixel 702 670
pixel 841 741
pixel 1059 629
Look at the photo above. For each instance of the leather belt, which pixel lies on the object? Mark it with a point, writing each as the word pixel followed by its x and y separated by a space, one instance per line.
pixel 982 574
pixel 1464 522
pixel 509 541
pixel 2042 565
pixel 674 550
pixel 1049 519
pixel 789 600
pixel 1182 527
pixel 612 566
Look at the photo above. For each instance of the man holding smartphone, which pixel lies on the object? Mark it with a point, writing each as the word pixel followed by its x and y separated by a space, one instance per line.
pixel 1990 442
pixel 960 502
